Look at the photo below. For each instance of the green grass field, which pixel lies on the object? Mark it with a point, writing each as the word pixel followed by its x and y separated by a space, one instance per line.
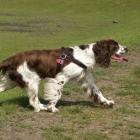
pixel 31 24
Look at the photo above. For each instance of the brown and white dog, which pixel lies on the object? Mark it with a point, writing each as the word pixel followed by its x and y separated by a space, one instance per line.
pixel 57 67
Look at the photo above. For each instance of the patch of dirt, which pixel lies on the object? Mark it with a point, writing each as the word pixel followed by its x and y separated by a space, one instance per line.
pixel 14 27
pixel 7 14
pixel 28 124
pixel 36 26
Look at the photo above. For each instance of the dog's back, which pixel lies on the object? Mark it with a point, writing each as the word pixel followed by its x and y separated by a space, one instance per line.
pixel 40 61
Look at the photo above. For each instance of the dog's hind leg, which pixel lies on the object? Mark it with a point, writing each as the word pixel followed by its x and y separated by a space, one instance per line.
pixel 32 91
pixel 5 82
pixel 32 81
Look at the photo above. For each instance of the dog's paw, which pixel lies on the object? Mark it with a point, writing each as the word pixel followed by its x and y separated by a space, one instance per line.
pixel 43 107
pixel 53 109
pixel 108 103
pixel 111 103
pixel 36 109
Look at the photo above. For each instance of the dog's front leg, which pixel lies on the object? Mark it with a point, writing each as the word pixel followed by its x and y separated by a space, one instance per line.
pixel 93 91
pixel 52 90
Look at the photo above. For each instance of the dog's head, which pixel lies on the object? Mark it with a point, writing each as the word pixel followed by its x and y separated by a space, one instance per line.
pixel 104 50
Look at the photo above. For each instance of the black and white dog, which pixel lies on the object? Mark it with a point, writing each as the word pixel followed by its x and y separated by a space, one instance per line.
pixel 57 67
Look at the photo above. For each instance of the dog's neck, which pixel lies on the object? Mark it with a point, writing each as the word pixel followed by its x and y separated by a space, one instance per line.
pixel 85 54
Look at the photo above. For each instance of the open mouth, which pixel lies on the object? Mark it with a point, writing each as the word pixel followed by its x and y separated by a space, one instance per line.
pixel 119 58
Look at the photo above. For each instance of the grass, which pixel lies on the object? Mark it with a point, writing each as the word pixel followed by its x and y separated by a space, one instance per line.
pixel 33 24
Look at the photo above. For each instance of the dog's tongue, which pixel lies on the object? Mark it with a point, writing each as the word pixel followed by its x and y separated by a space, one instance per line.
pixel 118 58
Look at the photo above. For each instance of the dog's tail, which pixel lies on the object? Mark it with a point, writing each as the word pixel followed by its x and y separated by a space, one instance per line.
pixel 5 82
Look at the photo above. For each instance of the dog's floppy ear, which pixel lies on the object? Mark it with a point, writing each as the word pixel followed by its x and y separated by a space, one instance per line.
pixel 102 53
pixel 113 48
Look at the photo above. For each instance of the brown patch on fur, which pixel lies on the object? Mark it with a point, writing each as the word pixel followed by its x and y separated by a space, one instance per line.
pixel 41 61
pixel 103 50
pixel 16 77
pixel 95 97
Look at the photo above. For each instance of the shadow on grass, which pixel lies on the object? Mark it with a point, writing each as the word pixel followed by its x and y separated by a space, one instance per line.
pixel 74 103
pixel 21 101
pixel 24 102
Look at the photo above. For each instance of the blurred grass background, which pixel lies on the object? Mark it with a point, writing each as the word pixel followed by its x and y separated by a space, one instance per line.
pixel 39 24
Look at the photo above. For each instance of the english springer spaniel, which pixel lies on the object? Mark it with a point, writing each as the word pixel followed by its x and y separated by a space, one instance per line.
pixel 57 67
